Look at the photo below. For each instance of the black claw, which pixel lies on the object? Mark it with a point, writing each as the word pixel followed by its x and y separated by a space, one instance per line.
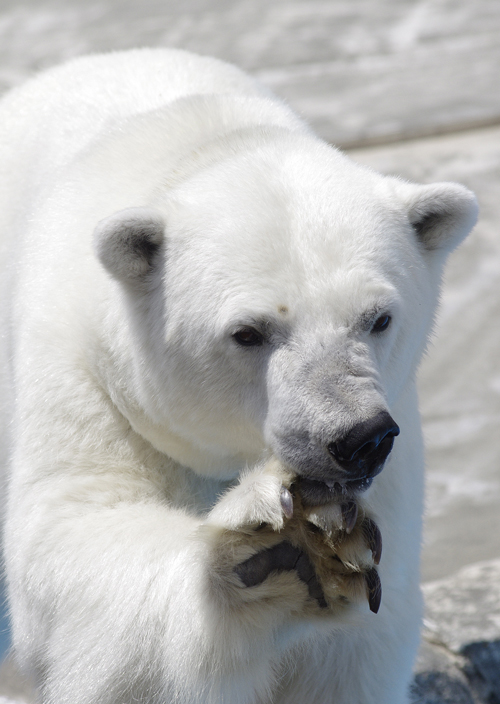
pixel 373 538
pixel 374 589
pixel 350 515
pixel 286 501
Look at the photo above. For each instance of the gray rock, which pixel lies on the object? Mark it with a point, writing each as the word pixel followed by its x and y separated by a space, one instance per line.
pixel 483 669
pixel 440 677
pixel 459 661
pixel 464 609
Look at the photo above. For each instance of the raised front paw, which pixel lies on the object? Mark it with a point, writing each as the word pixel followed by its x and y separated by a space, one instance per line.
pixel 261 496
pixel 314 560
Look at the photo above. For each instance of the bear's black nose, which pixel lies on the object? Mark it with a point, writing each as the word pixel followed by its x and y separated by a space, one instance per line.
pixel 363 451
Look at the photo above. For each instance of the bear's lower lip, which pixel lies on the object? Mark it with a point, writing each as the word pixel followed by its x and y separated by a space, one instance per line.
pixel 360 484
pixel 315 492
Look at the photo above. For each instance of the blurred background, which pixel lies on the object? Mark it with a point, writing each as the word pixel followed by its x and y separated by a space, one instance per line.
pixel 410 87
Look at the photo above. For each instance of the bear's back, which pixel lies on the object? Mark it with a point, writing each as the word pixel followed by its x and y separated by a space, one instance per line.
pixel 47 121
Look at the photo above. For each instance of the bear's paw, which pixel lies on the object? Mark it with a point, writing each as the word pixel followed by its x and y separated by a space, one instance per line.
pixel 267 546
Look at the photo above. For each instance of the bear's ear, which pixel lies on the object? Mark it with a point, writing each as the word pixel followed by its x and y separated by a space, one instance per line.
pixel 441 214
pixel 128 241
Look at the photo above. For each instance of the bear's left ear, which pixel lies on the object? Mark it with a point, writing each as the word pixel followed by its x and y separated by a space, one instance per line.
pixel 441 214
pixel 127 242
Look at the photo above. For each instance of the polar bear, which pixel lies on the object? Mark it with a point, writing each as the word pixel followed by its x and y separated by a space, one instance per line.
pixel 211 324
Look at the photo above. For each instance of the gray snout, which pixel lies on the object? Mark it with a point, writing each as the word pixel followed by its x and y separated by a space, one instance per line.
pixel 362 452
pixel 327 419
pixel 350 463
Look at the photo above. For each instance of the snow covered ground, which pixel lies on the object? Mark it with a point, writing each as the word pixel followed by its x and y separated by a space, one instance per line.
pixel 388 73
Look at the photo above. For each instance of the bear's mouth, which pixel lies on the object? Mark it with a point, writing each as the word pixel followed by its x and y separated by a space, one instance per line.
pixel 317 493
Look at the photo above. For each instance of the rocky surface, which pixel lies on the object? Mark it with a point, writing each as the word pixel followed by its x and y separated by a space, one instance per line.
pixel 459 661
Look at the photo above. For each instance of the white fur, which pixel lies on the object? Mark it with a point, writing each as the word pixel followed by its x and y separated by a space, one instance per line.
pixel 132 409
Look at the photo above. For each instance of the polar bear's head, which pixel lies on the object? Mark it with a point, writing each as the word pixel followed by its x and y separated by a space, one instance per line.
pixel 280 296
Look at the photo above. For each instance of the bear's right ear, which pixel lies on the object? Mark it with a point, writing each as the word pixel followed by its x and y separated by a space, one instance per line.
pixel 128 241
pixel 441 214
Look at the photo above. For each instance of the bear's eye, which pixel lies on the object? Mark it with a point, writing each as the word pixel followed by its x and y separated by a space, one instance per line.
pixel 381 323
pixel 248 337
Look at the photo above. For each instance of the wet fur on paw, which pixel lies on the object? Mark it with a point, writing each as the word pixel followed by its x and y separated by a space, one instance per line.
pixel 314 561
